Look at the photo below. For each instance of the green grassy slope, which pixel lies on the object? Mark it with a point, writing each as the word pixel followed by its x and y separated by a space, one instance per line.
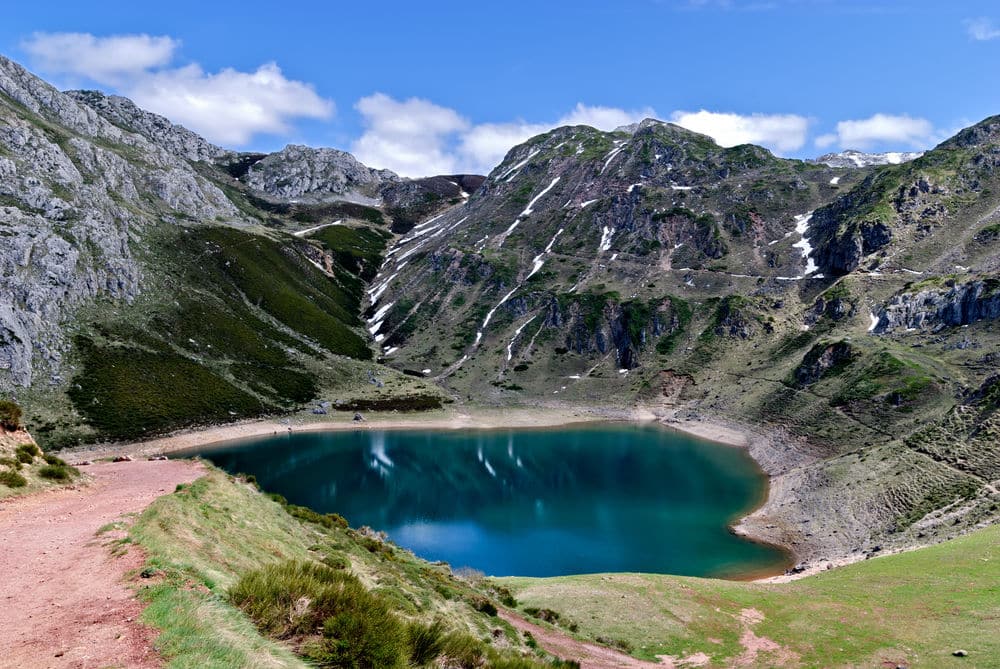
pixel 235 323
pixel 910 609
pixel 203 538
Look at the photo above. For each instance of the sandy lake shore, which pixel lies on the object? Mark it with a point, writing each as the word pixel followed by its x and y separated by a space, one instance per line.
pixel 458 419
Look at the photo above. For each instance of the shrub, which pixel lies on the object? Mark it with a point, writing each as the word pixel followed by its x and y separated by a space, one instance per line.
pixel 12 479
pixel 426 642
pixel 56 472
pixel 26 458
pixel 483 605
pixel 367 634
pixel 13 463
pixel 463 650
pixel 29 449
pixel 10 415
pixel 295 597
pixel 53 460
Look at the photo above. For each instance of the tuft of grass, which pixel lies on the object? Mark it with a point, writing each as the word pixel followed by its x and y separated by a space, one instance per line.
pixel 12 479
pixel 10 415
pixel 295 598
pixel 57 472
pixel 426 642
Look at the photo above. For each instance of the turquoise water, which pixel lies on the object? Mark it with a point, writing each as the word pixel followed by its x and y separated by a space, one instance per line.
pixel 526 502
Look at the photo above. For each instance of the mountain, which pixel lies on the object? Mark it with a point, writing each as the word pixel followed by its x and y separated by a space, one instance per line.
pixel 853 158
pixel 145 288
pixel 846 318
pixel 650 267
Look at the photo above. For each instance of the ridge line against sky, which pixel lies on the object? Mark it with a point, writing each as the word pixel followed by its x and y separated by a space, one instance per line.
pixel 871 80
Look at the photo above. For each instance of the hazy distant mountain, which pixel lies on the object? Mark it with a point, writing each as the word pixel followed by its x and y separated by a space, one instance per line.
pixel 852 158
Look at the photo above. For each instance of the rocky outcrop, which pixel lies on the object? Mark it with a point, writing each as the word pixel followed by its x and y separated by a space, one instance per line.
pixel 177 139
pixel 318 175
pixel 76 193
pixel 736 319
pixel 821 361
pixel 948 305
pixel 841 246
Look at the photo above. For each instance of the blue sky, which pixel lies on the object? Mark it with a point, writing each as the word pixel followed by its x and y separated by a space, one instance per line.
pixel 449 86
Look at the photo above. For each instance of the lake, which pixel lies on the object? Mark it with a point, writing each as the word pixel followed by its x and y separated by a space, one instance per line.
pixel 546 502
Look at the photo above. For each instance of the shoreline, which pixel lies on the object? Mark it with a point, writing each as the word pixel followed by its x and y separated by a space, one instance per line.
pixel 469 419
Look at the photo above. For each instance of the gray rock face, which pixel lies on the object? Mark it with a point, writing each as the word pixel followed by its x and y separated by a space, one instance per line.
pixel 820 360
pixel 840 247
pixel 318 175
pixel 76 194
pixel 175 138
pixel 959 304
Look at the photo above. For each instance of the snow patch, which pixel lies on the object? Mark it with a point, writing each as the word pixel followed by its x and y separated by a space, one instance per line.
pixel 611 156
pixel 517 333
pixel 519 165
pixel 606 234
pixel 303 233
pixel 802 227
pixel 527 211
pixel 380 314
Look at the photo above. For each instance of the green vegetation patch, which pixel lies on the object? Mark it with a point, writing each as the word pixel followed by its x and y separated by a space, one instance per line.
pixel 910 609
pixel 278 280
pixel 359 250
pixel 127 392
pixel 10 415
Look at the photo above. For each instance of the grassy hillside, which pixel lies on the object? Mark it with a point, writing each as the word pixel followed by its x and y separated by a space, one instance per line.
pixel 237 323
pixel 911 609
pixel 218 546
pixel 214 538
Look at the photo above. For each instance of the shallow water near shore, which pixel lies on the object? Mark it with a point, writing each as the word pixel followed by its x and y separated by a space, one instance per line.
pixel 545 502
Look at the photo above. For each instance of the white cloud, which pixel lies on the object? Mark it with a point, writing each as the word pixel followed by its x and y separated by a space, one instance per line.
pixel 888 128
pixel 417 138
pixel 781 132
pixel 827 140
pixel 605 118
pixel 408 137
pixel 228 107
pixel 484 145
pixel 106 60
pixel 982 29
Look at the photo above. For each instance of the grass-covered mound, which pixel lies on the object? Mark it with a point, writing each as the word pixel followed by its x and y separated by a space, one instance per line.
pixel 23 466
pixel 237 580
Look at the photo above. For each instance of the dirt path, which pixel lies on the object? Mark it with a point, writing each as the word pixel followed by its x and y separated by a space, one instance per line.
pixel 63 602
pixel 589 655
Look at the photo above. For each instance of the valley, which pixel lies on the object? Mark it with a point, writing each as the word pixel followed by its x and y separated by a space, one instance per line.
pixel 837 318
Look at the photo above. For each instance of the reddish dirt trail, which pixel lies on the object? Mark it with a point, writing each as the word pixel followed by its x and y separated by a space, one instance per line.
pixel 589 655
pixel 63 601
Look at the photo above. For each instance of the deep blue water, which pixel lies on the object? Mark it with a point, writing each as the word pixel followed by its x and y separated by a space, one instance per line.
pixel 526 502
